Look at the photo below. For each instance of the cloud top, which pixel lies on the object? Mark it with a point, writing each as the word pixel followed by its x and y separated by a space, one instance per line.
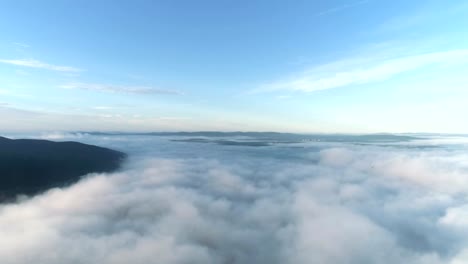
pixel 324 203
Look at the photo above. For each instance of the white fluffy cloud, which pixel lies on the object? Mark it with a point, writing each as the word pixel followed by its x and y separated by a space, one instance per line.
pixel 190 203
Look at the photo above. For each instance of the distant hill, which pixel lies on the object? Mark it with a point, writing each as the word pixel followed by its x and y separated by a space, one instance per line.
pixel 29 166
pixel 271 136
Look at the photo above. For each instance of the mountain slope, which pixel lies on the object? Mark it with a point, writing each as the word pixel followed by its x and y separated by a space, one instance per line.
pixel 29 166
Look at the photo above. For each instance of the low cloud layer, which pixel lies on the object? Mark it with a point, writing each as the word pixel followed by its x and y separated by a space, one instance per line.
pixel 179 202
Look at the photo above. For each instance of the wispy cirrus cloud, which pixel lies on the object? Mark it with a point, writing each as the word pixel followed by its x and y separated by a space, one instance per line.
pixel 103 108
pixel 342 7
pixel 362 71
pixel 119 88
pixel 432 13
pixel 21 45
pixel 10 92
pixel 31 63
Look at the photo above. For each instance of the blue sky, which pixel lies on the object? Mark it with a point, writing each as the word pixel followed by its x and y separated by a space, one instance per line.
pixel 298 66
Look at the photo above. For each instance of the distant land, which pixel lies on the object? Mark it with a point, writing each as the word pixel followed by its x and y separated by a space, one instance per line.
pixel 263 139
pixel 29 166
pixel 272 136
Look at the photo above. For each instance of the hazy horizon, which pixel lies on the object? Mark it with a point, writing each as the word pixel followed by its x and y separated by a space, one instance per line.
pixel 307 66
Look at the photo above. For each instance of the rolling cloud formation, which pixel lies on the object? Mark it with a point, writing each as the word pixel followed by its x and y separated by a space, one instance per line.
pixel 318 202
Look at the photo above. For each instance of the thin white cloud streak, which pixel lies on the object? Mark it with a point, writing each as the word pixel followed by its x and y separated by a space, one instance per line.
pixel 22 45
pixel 18 119
pixel 423 15
pixel 9 92
pixel 120 88
pixel 40 65
pixel 283 97
pixel 59 135
pixel 346 73
pixel 341 8
pixel 103 108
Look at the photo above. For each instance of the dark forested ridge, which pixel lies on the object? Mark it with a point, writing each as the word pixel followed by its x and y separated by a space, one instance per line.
pixel 29 166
